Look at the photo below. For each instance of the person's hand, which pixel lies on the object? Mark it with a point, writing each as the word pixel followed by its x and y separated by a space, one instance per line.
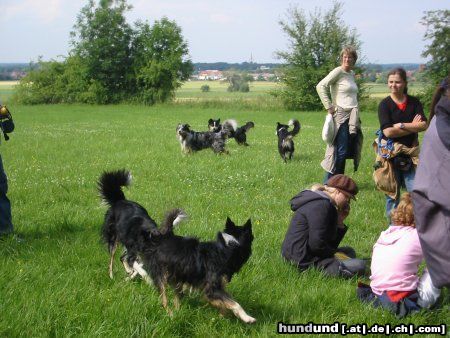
pixel 331 110
pixel 343 213
pixel 417 118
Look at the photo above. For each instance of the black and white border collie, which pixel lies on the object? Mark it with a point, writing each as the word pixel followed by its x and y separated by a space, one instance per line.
pixel 238 133
pixel 127 222
pixel 192 141
pixel 205 266
pixel 285 138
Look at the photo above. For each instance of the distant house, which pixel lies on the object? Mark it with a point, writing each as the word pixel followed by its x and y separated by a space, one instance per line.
pixel 210 75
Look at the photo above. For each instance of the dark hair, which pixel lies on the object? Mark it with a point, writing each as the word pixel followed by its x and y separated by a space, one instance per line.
pixel 402 73
pixel 440 90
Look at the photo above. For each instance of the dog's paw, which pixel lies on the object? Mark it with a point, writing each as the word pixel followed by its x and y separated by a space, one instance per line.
pixel 249 320
pixel 133 274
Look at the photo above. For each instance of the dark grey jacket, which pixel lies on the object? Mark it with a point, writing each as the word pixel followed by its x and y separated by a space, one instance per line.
pixel 431 195
pixel 313 235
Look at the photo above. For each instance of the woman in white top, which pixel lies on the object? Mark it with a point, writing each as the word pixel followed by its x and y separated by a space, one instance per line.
pixel 338 93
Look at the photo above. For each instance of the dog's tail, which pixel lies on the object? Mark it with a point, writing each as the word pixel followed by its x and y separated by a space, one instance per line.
pixel 294 123
pixel 110 185
pixel 248 126
pixel 172 219
pixel 230 126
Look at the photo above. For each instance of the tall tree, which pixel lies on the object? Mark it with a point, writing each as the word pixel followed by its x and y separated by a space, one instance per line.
pixel 111 61
pixel 102 40
pixel 160 60
pixel 438 34
pixel 315 45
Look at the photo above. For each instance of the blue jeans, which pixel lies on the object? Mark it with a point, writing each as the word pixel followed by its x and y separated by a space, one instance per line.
pixel 404 179
pixel 341 149
pixel 5 206
pixel 400 308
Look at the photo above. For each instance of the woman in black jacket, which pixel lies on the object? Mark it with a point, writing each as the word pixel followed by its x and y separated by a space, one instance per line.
pixel 401 119
pixel 317 227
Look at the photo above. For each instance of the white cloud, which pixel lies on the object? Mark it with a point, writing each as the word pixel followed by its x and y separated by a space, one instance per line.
pixel 45 11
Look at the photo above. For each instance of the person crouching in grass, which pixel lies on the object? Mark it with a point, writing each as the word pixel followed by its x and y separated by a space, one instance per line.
pixel 396 256
pixel 317 228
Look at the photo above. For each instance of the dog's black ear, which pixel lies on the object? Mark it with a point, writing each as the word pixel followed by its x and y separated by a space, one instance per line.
pixel 210 121
pixel 248 224
pixel 229 224
pixel 218 121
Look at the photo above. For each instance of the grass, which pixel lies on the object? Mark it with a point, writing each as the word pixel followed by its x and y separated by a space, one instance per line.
pixel 55 282
pixel 218 89
pixel 380 90
pixel 6 89
pixel 190 93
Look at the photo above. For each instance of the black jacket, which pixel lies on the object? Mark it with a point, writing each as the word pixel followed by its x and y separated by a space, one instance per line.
pixel 313 235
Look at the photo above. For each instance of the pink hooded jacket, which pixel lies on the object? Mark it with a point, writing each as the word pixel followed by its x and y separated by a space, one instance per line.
pixel 395 260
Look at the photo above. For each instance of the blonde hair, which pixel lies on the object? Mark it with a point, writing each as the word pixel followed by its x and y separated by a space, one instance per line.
pixel 404 213
pixel 351 51
pixel 325 188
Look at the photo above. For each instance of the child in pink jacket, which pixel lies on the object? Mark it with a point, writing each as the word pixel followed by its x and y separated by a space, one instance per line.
pixel 397 254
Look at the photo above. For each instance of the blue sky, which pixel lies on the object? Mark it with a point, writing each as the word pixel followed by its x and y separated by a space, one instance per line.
pixel 221 30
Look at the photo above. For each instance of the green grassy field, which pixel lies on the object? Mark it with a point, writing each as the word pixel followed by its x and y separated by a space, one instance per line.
pixel 259 91
pixel 381 90
pixel 6 89
pixel 55 282
pixel 218 89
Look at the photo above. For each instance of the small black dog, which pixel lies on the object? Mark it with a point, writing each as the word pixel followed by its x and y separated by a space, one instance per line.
pixel 285 138
pixel 126 222
pixel 206 266
pixel 238 133
pixel 192 141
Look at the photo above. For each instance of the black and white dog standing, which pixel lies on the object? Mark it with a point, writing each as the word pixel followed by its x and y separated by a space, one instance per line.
pixel 285 138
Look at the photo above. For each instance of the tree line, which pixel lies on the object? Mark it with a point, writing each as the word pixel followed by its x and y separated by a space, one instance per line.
pixel 112 61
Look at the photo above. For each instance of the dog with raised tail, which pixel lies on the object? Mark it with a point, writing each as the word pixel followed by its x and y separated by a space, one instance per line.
pixel 238 133
pixel 286 138
pixel 128 223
